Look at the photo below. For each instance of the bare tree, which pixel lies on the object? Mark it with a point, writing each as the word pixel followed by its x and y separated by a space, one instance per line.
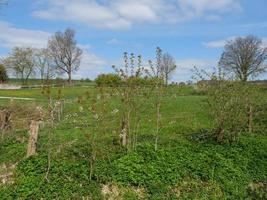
pixel 21 62
pixel 245 57
pixel 44 65
pixel 167 66
pixel 65 53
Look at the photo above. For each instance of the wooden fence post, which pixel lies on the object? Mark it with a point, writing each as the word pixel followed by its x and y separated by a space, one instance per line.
pixel 5 121
pixel 32 143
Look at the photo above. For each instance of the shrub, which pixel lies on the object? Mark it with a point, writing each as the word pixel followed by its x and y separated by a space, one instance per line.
pixel 146 81
pixel 154 81
pixel 110 80
pixel 3 74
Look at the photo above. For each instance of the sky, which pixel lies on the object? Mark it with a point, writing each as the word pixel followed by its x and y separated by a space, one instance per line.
pixel 192 31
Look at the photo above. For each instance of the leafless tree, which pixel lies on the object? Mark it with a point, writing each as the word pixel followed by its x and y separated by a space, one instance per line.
pixel 244 57
pixel 65 52
pixel 21 62
pixel 167 66
pixel 44 65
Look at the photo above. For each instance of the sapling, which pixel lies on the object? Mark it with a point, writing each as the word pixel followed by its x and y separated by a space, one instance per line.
pixel 156 73
pixel 129 94
pixel 55 109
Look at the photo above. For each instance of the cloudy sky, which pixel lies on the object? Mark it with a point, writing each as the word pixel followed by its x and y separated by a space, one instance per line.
pixel 193 31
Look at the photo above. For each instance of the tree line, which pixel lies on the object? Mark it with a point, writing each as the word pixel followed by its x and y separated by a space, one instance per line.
pixel 243 59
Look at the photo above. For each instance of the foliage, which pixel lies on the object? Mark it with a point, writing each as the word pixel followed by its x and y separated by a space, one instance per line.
pixel 110 80
pixel 21 62
pixel 228 107
pixel 185 165
pixel 228 169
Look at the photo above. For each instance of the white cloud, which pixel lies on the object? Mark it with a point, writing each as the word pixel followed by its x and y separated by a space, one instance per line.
pixel 221 43
pixel 11 36
pixel 114 41
pixel 264 41
pixel 91 66
pixel 200 6
pixel 185 66
pixel 86 12
pixel 218 43
pixel 258 25
pixel 124 14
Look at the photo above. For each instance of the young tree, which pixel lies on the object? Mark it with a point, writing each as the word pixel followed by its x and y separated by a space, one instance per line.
pixel 245 57
pixel 167 66
pixel 65 52
pixel 43 62
pixel 21 62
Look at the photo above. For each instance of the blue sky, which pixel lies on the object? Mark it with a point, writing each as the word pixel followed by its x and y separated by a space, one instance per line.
pixel 192 31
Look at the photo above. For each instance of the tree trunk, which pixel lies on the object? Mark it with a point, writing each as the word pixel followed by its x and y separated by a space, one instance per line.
pixel 69 78
pixel 5 120
pixel 166 79
pixel 220 135
pixel 32 143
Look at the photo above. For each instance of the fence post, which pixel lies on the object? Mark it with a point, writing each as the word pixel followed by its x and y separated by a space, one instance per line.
pixel 32 143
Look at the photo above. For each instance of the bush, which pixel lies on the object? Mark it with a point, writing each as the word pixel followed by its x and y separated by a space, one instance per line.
pixel 140 81
pixel 110 80
pixel 229 104
pixel 3 74
pixel 114 80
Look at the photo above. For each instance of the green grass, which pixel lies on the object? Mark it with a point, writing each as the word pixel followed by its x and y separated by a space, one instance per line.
pixel 187 165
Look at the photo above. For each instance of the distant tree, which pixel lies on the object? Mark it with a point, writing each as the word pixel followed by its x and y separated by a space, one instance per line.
pixel 245 57
pixel 3 74
pixel 65 52
pixel 167 66
pixel 44 65
pixel 21 62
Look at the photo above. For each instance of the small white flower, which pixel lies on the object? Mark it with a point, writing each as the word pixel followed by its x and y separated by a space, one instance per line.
pixel 114 112
pixel 95 116
pixel 81 109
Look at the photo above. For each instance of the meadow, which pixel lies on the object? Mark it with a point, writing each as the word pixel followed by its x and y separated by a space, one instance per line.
pixel 80 156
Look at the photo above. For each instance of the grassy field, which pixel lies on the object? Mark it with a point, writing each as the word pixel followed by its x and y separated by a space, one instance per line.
pixel 188 164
